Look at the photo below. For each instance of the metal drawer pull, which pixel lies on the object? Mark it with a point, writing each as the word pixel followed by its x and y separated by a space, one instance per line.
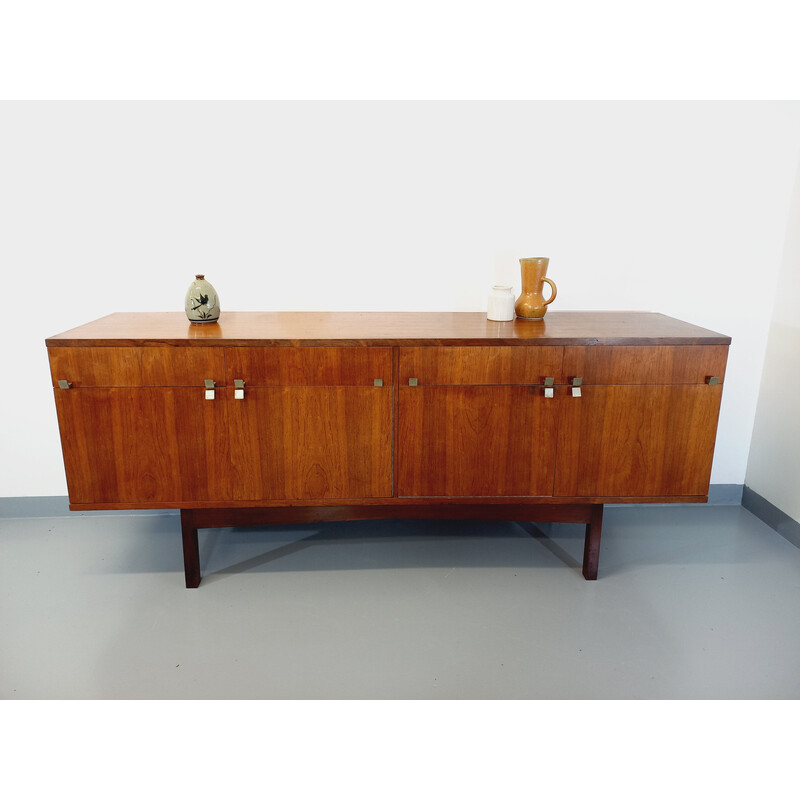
pixel 548 387
pixel 576 387
pixel 712 380
pixel 377 382
pixel 412 382
pixel 238 389
pixel 210 393
pixel 64 384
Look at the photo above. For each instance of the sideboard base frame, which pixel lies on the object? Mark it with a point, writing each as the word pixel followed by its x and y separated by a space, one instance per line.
pixel 591 514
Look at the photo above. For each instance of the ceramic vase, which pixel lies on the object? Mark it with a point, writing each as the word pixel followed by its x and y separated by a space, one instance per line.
pixel 202 303
pixel 501 304
pixel 531 303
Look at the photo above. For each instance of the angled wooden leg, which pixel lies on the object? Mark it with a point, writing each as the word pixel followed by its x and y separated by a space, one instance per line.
pixel 191 552
pixel 591 547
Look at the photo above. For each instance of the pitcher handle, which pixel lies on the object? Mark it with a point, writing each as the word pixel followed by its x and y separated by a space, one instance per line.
pixel 553 287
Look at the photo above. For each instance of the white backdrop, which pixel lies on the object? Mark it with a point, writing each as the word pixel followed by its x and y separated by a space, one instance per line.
pixel 673 207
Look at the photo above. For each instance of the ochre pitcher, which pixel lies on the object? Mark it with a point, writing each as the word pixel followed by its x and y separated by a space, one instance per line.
pixel 531 303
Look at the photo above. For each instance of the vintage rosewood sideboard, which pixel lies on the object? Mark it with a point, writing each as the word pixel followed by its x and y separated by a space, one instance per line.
pixel 299 417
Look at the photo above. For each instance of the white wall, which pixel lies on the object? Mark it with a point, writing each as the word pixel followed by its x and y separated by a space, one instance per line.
pixel 672 207
pixel 773 469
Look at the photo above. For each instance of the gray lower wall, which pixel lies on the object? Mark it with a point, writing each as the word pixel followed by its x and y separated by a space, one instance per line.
pixel 777 520
pixel 58 506
pixel 725 494
pixel 719 494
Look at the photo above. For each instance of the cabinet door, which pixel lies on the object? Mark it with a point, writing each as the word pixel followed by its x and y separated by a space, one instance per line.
pixel 312 424
pixel 144 446
pixel 636 441
pixel 312 442
pixel 472 441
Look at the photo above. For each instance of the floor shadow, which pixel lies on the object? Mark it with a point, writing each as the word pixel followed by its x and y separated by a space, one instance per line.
pixel 536 532
pixel 385 544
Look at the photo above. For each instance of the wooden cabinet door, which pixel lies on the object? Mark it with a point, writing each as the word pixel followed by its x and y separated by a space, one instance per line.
pixel 636 440
pixel 473 441
pixel 144 446
pixel 313 424
pixel 310 443
pixel 644 424
pixel 473 424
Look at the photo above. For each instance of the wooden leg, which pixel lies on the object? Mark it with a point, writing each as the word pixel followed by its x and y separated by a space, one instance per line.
pixel 591 547
pixel 191 552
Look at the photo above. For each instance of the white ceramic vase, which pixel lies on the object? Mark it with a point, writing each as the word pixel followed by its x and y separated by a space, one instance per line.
pixel 501 304
pixel 202 303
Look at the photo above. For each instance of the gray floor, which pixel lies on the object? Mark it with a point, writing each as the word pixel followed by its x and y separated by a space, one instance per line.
pixel 692 602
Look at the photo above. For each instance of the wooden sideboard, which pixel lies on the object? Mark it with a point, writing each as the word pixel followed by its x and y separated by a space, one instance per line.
pixel 299 417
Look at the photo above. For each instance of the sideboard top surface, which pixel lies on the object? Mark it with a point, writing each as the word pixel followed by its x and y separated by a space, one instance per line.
pixel 243 328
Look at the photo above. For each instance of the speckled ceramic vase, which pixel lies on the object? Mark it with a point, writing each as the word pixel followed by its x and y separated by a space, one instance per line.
pixel 531 303
pixel 202 303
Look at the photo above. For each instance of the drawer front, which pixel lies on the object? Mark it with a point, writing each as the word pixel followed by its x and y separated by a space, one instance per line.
pixel 309 366
pixel 638 365
pixel 99 367
pixel 497 365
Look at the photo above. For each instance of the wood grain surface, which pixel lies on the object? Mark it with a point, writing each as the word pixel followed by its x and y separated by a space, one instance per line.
pixel 136 366
pixel 309 366
pixel 314 433
pixel 475 441
pixel 499 364
pixel 669 364
pixel 312 442
pixel 378 328
pixel 636 440
pixel 144 446
pixel 387 502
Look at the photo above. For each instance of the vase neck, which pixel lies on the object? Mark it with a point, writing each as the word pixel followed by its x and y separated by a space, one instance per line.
pixel 533 270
